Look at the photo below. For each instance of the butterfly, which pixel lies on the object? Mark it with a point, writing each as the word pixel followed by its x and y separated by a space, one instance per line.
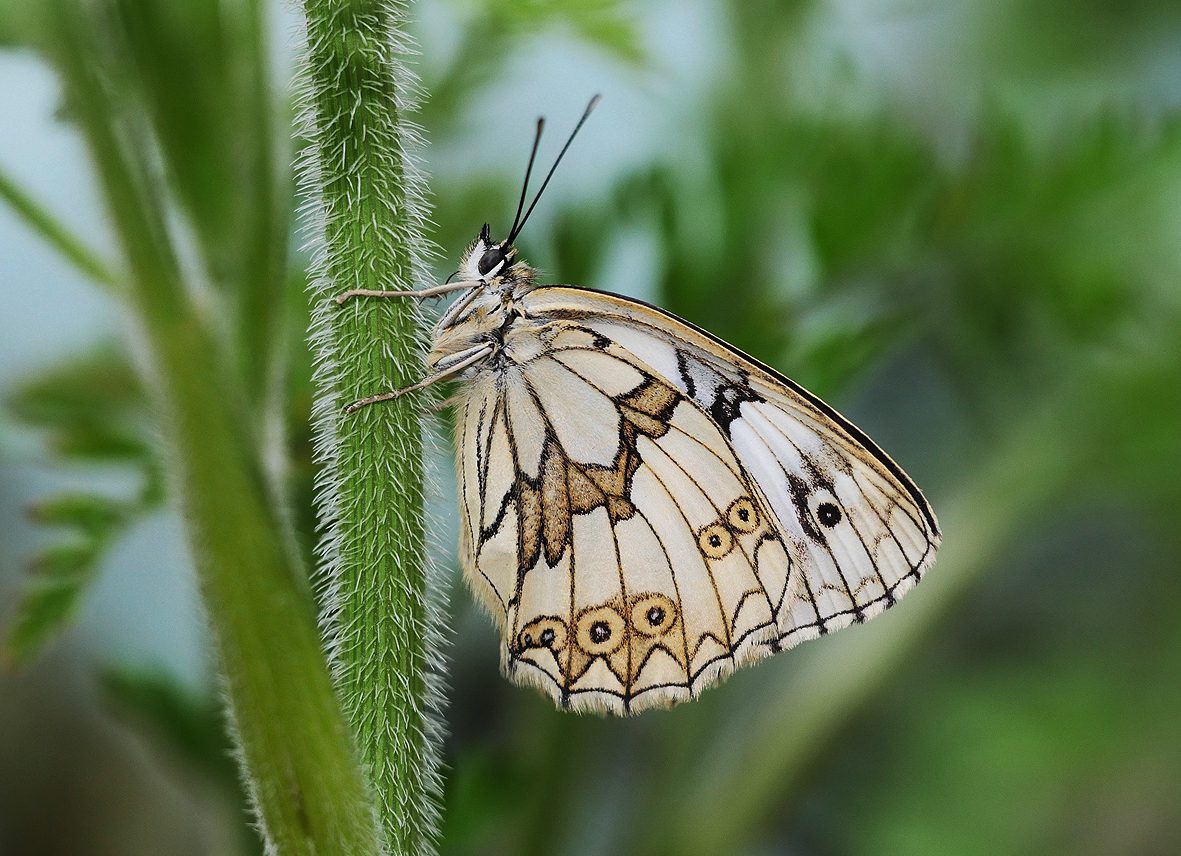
pixel 644 508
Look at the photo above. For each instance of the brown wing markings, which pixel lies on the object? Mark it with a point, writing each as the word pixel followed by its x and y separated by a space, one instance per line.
pixel 577 663
pixel 740 476
pixel 680 601
pixel 750 560
pixel 738 473
pixel 717 595
pixel 630 675
pixel 565 487
pixel 811 402
pixel 589 486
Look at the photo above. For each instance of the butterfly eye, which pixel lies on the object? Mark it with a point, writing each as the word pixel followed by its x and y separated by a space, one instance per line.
pixel 491 258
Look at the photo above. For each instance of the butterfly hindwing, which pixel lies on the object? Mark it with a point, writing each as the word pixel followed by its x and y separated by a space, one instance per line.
pixel 628 559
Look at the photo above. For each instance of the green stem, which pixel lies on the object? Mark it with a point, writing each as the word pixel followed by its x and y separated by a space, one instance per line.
pixel 365 196
pixel 295 748
pixel 264 304
pixel 56 233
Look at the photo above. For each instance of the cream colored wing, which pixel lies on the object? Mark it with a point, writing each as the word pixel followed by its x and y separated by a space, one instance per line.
pixel 624 552
pixel 858 528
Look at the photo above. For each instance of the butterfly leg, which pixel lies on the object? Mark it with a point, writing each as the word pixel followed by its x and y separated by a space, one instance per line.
pixel 455 364
pixel 419 294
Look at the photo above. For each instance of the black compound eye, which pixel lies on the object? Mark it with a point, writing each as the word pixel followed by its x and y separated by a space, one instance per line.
pixel 491 258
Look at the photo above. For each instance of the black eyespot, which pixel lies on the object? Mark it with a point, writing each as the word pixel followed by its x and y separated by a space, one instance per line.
pixel 655 616
pixel 715 541
pixel 828 514
pixel 491 258
pixel 547 636
pixel 600 632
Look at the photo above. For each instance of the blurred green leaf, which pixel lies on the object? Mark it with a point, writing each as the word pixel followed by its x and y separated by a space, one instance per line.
pixel 99 385
pixel 17 19
pixel 92 410
pixel 61 575
pixel 90 514
pixel 224 152
pixel 605 23
pixel 493 29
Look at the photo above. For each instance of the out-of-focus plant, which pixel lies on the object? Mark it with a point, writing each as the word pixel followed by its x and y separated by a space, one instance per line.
pixel 960 219
pixel 211 358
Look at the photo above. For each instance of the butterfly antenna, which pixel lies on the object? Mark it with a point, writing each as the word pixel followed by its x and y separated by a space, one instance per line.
pixel 528 172
pixel 517 227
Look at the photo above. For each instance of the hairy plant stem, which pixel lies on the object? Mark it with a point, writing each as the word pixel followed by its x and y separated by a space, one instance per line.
pixel 362 191
pixel 295 748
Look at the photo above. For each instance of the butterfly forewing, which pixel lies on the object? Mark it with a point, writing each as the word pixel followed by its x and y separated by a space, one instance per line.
pixel 856 525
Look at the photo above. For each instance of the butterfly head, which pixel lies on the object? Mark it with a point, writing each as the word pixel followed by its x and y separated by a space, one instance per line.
pixel 487 260
pixel 495 263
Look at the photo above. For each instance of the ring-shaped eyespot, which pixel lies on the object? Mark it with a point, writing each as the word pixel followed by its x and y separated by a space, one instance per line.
pixel 490 259
pixel 544 632
pixel 742 515
pixel 653 614
pixel 715 541
pixel 600 631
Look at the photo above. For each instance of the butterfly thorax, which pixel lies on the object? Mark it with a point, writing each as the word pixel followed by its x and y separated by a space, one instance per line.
pixel 486 312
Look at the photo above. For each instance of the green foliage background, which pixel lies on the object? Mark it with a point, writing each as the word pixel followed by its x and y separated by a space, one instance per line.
pixel 958 221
